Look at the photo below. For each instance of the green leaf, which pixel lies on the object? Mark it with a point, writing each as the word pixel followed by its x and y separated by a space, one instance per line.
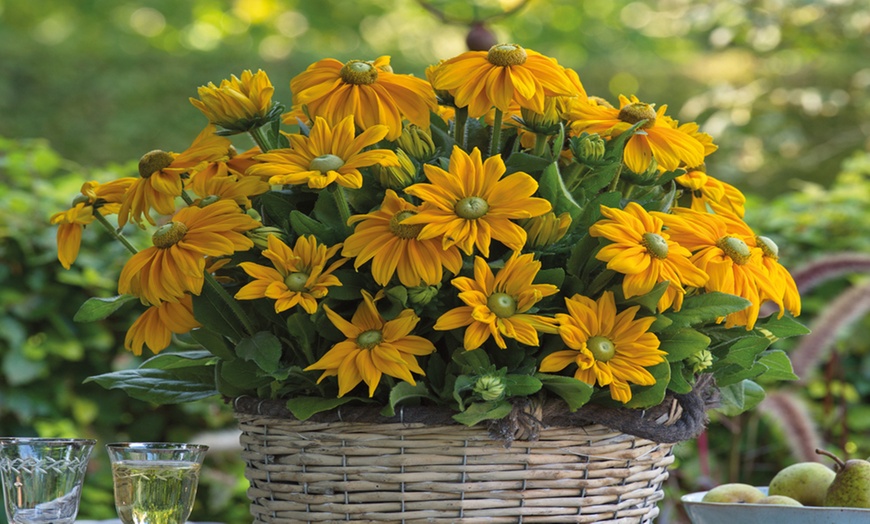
pixel 733 374
pixel 402 392
pixel 472 362
pixel 592 210
pixel 241 375
pixel 302 331
pixel 646 396
pixel 263 348
pixel 303 224
pixel 682 343
pixel 552 187
pixel 187 359
pixel 525 162
pixel 554 276
pixel 650 300
pixel 778 366
pixel 679 384
pixel 460 384
pixel 480 411
pixel 744 351
pixel 304 407
pixel 214 314
pixel 740 397
pixel 326 211
pixel 522 385
pixel 277 208
pixel 97 308
pixel 784 327
pixel 575 393
pixel 706 307
pixel 160 386
pixel 213 342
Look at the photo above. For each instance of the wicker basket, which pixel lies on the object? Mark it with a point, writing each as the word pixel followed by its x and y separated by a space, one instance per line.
pixel 412 472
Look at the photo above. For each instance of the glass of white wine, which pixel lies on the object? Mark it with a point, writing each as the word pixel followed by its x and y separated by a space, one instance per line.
pixel 155 482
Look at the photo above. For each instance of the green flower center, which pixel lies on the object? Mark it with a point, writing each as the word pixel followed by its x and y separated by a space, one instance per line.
pixel 296 281
pixel 168 235
pixel 359 72
pixel 768 247
pixel 602 348
pixel 326 163
pixel 504 55
pixel 735 248
pixel 502 305
pixel 369 339
pixel 656 245
pixel 634 113
pixel 404 231
pixel 471 208
pixel 153 161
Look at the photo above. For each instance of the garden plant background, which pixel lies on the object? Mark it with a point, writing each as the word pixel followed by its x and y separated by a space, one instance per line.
pixel 782 84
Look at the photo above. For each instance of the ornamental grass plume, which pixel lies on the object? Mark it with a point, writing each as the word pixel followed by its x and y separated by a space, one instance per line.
pixel 486 235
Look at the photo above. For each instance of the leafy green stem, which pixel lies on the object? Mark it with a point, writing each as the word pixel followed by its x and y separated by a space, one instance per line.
pixel 115 233
pixel 340 202
pixel 495 144
pixel 459 126
pixel 262 138
pixel 540 144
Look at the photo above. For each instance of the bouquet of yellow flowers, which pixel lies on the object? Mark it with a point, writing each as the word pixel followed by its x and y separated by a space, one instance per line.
pixel 488 234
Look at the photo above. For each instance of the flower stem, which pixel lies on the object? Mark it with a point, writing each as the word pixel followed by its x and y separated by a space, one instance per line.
pixel 495 144
pixel 229 301
pixel 114 232
pixel 261 137
pixel 340 202
pixel 540 144
pixel 459 126
pixel 615 180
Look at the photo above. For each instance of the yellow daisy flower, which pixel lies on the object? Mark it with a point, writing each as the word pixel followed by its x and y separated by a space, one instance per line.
pixel 160 173
pixel 393 247
pixel 104 197
pixel 368 91
pixel 655 139
pixel 645 255
pixel 497 305
pixel 711 194
pixel 238 104
pixel 232 164
pixel 238 189
pixel 154 327
pixel 174 265
pixel 609 348
pixel 472 203
pixel 481 80
pixel 374 347
pixel 299 277
pixel 329 154
pixel 727 254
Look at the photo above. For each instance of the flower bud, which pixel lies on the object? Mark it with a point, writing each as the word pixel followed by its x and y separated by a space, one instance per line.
pixel 489 387
pixel 260 236
pixel 417 143
pixel 422 295
pixel 546 123
pixel 700 361
pixel 545 230
pixel 398 177
pixel 588 149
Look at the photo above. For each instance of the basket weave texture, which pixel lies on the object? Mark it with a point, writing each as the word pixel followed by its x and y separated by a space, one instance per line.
pixel 411 472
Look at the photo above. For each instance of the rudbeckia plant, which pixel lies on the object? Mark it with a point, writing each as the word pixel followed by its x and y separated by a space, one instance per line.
pixel 483 235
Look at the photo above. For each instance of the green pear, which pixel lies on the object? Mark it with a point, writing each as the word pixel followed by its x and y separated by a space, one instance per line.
pixel 805 482
pixel 733 493
pixel 779 500
pixel 851 486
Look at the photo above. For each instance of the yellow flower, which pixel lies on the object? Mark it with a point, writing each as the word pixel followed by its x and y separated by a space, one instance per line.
pixel 299 277
pixel 497 305
pixel 156 325
pixel 374 346
pixel 368 91
pixel 238 189
pixel 174 265
pixel 327 155
pixel 710 194
pixel 727 254
pixel 655 139
pixel 546 229
pixel 473 203
pixel 785 292
pixel 160 173
pixel 104 197
pixel 237 104
pixel 481 80
pixel 609 348
pixel 382 237
pixel 645 255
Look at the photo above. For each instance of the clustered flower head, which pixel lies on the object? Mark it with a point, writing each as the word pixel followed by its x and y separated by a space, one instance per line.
pixel 371 241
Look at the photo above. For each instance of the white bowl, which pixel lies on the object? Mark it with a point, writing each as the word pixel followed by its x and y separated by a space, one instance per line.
pixel 718 513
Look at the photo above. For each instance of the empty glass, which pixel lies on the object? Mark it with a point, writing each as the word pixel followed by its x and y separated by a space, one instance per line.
pixel 155 482
pixel 42 478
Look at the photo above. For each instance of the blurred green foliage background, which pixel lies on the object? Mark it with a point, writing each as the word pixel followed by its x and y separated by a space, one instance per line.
pixel 87 86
